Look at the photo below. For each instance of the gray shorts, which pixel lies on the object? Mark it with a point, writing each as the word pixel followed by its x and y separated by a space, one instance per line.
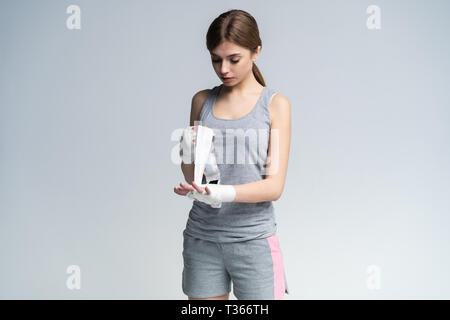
pixel 255 268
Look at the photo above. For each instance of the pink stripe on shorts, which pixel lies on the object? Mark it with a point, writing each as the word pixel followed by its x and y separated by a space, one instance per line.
pixel 278 268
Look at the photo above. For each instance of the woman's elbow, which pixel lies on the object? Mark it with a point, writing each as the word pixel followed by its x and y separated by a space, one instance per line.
pixel 276 196
pixel 276 190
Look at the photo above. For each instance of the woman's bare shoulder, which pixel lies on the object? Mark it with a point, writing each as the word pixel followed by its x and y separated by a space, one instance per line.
pixel 200 96
pixel 198 100
pixel 279 104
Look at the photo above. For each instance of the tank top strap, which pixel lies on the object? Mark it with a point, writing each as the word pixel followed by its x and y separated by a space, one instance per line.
pixel 264 103
pixel 272 93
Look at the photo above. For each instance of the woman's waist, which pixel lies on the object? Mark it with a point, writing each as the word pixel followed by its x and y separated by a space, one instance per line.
pixel 240 209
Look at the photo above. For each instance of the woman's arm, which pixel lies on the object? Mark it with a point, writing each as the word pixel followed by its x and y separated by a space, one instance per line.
pixel 271 188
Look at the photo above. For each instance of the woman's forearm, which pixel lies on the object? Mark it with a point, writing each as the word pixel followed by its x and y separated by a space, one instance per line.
pixel 188 171
pixel 258 191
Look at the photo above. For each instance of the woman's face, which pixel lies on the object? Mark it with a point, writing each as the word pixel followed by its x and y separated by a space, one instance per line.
pixel 232 61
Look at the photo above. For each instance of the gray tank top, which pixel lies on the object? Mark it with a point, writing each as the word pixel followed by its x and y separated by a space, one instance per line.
pixel 241 147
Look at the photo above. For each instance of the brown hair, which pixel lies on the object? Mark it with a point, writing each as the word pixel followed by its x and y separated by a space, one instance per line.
pixel 239 27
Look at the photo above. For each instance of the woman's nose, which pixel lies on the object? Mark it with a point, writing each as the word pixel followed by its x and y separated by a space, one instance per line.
pixel 224 68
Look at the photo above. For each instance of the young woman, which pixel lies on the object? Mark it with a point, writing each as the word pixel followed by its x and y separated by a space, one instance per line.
pixel 236 242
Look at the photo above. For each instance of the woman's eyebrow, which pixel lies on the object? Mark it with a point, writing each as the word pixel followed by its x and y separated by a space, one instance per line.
pixel 234 54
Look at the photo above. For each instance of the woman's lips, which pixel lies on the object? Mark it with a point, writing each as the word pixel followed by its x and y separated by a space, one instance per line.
pixel 227 79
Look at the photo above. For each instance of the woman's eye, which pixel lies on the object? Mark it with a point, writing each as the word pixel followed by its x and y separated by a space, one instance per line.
pixel 233 61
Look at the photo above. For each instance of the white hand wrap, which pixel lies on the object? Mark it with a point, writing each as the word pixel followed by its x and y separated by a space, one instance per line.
pixel 197 146
pixel 187 145
pixel 219 193
pixel 203 147
pixel 211 169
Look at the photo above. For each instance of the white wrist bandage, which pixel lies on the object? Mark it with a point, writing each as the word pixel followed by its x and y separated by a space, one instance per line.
pixel 219 193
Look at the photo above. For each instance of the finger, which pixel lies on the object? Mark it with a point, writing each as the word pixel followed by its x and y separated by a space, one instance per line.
pixel 187 187
pixel 180 191
pixel 198 188
pixel 208 190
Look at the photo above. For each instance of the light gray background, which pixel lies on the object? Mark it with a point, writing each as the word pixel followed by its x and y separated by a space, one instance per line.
pixel 86 119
